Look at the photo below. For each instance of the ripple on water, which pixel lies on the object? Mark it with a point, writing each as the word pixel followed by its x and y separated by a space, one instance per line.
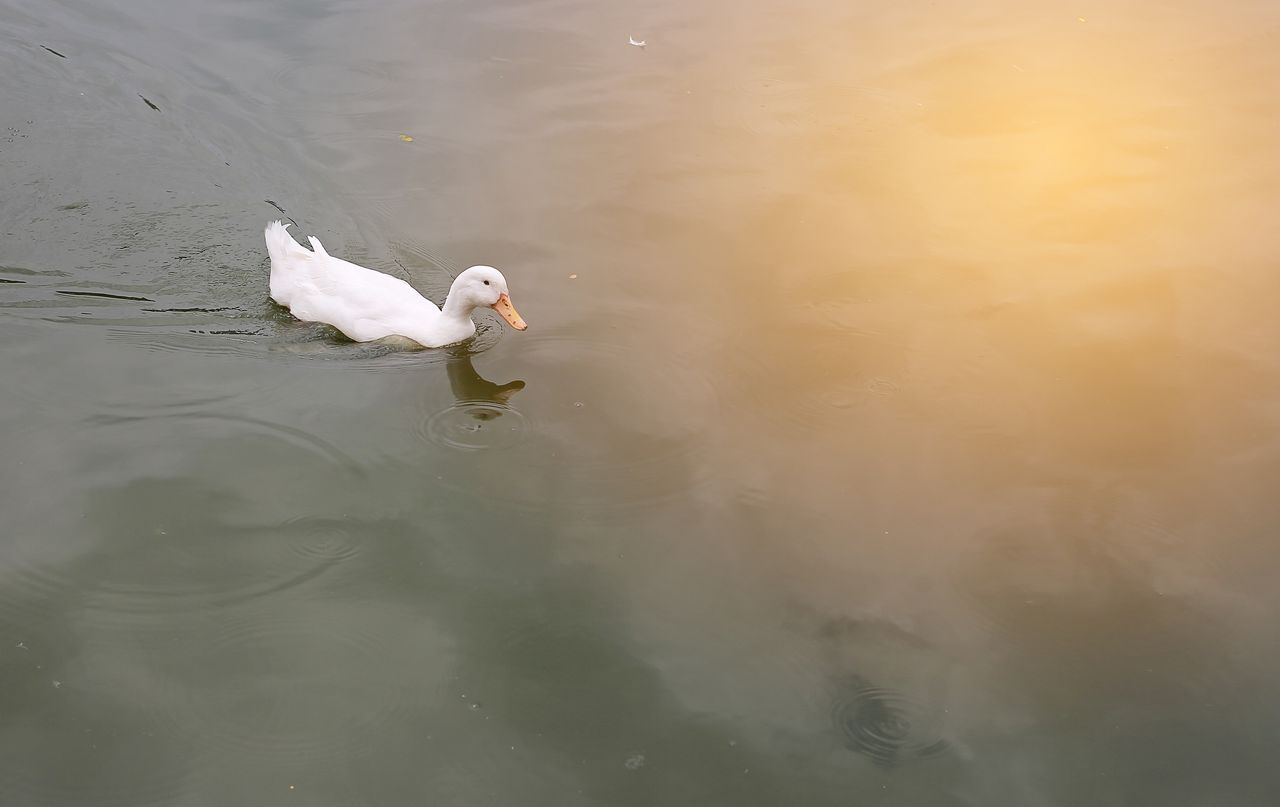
pixel 323 539
pixel 186 574
pixel 474 426
pixel 212 341
pixel 885 725
pixel 323 343
pixel 296 437
pixel 181 559
pixel 835 400
pixel 281 335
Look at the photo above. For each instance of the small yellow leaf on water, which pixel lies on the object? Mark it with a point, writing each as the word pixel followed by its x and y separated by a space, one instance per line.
pixel 1081 19
pixel 406 138
pixel 573 277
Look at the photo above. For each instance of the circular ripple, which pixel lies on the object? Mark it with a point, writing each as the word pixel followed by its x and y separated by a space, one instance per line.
pixel 290 434
pixel 884 725
pixel 822 406
pixel 880 385
pixel 179 577
pixel 322 539
pixel 176 571
pixel 474 426
pixel 194 546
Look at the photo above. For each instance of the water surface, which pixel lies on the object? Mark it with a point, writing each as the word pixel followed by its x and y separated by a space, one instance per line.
pixel 896 424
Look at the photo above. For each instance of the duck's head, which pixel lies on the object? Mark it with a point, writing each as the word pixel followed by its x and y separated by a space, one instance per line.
pixel 484 285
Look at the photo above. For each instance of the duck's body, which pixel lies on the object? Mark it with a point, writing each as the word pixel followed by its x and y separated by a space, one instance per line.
pixel 366 305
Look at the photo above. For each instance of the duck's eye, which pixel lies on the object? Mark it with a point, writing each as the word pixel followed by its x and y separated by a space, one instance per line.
pixel 486 282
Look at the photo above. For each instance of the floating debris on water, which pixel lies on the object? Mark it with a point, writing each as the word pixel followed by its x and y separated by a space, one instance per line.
pixel 281 209
pixel 148 101
pixel 104 295
pixel 635 762
pixel 55 53
pixel 406 138
pixel 639 43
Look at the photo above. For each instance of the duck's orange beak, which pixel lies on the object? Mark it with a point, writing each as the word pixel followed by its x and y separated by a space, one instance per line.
pixel 509 312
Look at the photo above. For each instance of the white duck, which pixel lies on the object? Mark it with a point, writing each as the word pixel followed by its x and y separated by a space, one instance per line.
pixel 367 305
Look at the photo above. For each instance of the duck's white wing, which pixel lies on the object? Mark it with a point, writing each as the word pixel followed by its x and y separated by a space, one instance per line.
pixel 364 288
pixel 362 303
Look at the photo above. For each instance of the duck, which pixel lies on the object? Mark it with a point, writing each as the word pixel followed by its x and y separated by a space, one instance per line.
pixel 367 305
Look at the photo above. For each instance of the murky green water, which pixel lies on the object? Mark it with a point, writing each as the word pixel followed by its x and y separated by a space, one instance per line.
pixel 896 424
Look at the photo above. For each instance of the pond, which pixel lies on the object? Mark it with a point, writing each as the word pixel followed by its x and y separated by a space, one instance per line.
pixel 896 422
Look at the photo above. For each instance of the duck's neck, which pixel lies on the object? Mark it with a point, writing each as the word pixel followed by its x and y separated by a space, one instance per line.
pixel 452 324
pixel 456 309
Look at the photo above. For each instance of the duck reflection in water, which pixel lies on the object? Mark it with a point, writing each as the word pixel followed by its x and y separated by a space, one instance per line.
pixel 469 387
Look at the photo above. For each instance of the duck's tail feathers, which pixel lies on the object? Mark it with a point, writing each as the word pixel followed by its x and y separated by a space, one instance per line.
pixel 281 246
pixel 317 246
